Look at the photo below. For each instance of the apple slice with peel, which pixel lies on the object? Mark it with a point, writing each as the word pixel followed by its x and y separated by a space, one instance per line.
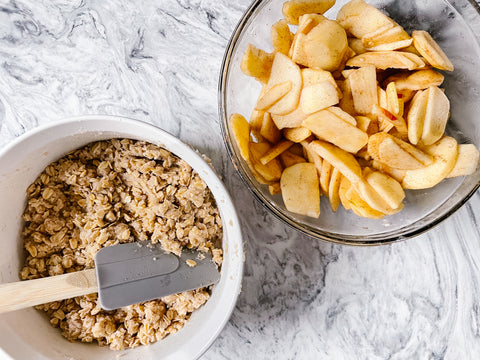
pixel 387 187
pixel 445 153
pixel 338 158
pixel 284 70
pixel 436 115
pixel 467 161
pixel 300 189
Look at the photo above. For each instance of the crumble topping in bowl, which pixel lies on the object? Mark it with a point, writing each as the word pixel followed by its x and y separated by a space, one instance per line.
pixel 112 192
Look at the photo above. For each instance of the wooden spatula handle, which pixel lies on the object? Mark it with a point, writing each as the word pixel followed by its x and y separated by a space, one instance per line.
pixel 22 294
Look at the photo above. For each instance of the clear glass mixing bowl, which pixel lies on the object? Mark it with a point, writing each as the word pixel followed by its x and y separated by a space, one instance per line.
pixel 454 25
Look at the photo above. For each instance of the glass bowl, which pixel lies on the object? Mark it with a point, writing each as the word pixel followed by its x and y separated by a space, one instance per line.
pixel 454 26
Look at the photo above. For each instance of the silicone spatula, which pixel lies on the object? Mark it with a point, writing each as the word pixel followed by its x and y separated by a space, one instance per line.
pixel 124 274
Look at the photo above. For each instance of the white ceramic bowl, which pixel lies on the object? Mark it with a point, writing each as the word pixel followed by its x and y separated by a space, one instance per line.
pixel 27 334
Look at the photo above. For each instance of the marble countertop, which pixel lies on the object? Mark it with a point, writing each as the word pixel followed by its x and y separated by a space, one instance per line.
pixel 159 61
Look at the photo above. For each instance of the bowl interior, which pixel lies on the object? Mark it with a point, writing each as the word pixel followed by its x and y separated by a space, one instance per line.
pixel 423 208
pixel 26 334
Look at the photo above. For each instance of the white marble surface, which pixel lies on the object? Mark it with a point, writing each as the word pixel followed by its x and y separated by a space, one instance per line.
pixel 159 61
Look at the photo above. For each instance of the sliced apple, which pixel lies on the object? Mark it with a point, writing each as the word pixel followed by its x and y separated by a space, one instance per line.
pixel 257 63
pixel 322 47
pixel 338 158
pixel 333 188
pixel 417 80
pixel 445 153
pixel 281 37
pixel 284 70
pixel 342 190
pixel 436 115
pixel 300 189
pixel 328 126
pixel 271 171
pixel 387 187
pixel 297 134
pixel 241 134
pixel 273 95
pixel 359 18
pixel 387 59
pixel 360 206
pixel 467 160
pixel 363 84
pixel 431 51
pixel 288 159
pixel 269 131
pixel 416 116
pixel 293 9
pixel 342 115
pixel 318 96
pixel 325 175
pixel 386 38
pixel 290 120
pixel 275 151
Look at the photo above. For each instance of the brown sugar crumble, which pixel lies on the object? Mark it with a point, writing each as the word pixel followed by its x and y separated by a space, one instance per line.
pixel 112 192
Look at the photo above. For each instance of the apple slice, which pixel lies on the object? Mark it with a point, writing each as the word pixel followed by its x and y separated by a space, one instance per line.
pixel 257 63
pixel 416 116
pixel 397 174
pixel 284 70
pixel 342 115
pixel 328 126
pixel 271 171
pixel 360 206
pixel 431 51
pixel 281 37
pixel 297 134
pixel 325 175
pixel 445 153
pixel 274 189
pixel 288 159
pixel 342 190
pixel 300 189
pixel 363 83
pixel 275 151
pixel 322 47
pixel 292 10
pixel 393 155
pixel 467 161
pixel 268 130
pixel 417 80
pixel 387 187
pixel 290 120
pixel 386 38
pixel 359 18
pixel 318 96
pixel 314 76
pixel 273 95
pixel 241 134
pixel 436 115
pixel 338 158
pixel 387 59
pixel 333 188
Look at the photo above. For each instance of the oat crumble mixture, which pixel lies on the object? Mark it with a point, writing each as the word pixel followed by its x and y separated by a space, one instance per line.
pixel 112 192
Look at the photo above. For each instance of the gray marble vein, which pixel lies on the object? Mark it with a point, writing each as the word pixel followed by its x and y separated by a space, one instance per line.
pixel 159 61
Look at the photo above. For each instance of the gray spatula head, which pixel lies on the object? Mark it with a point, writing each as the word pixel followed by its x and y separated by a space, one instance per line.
pixel 136 272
